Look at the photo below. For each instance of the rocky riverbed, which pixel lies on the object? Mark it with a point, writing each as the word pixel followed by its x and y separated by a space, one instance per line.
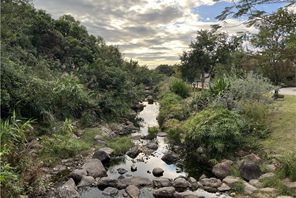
pixel 152 169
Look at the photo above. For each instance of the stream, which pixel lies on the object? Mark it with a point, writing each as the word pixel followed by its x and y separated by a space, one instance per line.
pixel 145 163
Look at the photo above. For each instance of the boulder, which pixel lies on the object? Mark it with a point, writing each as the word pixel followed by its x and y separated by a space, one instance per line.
pixel 121 171
pixel 150 99
pixel 133 152
pixel 152 146
pixel 86 181
pixel 161 182
pixel 77 174
pixel 231 181
pixel 110 191
pixel 211 182
pixel 69 189
pixel 256 183
pixel 271 191
pixel 249 189
pixel 107 182
pixel 170 157
pixel 193 183
pixel 222 169
pixel 157 172
pixel 95 168
pixel 102 156
pixel 108 150
pixel 253 158
pixel 164 192
pixel 133 191
pixel 249 170
pixel 181 184
pixel 137 181
pixel 266 175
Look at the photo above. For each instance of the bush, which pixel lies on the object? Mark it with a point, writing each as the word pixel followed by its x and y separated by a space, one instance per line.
pixel 289 165
pixel 180 88
pixel 152 132
pixel 120 144
pixel 215 132
pixel 201 100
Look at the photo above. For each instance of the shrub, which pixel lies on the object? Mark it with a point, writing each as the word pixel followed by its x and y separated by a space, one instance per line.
pixel 217 132
pixel 201 100
pixel 120 144
pixel 152 132
pixel 254 110
pixel 289 165
pixel 179 87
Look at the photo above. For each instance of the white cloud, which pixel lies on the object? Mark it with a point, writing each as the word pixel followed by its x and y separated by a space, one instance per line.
pixel 152 31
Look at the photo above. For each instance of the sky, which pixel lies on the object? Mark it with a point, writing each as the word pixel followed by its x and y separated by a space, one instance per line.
pixel 152 32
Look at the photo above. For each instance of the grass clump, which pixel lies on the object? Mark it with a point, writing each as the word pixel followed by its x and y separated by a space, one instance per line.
pixel 289 165
pixel 239 187
pixel 152 132
pixel 179 87
pixel 120 145
pixel 278 183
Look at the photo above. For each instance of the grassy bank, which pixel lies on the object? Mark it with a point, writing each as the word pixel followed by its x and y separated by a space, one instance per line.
pixel 282 123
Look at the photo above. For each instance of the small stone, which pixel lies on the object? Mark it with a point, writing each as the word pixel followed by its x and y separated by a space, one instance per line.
pixel 170 157
pixel 181 184
pixel 266 175
pixel 77 175
pixel 211 182
pixel 249 189
pixel 271 191
pixel 110 191
pixel 157 172
pixel 69 189
pixel 121 171
pixel 86 181
pixel 256 183
pixel 152 146
pixel 108 150
pixel 231 181
pixel 133 168
pixel 101 155
pixel 133 152
pixel 95 168
pixel 161 182
pixel 222 169
pixel 270 167
pixel 224 187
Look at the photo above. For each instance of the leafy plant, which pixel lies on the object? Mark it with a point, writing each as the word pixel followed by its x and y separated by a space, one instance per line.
pixel 179 87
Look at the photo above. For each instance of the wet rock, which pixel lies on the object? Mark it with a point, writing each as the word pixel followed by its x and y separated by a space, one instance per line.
pixel 170 157
pixel 181 184
pixel 102 156
pixel 108 150
pixel 164 192
pixel 86 181
pixel 157 172
pixel 249 189
pixel 133 152
pixel 152 146
pixel 162 182
pixel 133 168
pixel 211 182
pixel 133 191
pixel 95 168
pixel 121 171
pixel 249 170
pixel 266 175
pixel 69 189
pixel 77 174
pixel 107 182
pixel 231 181
pixel 256 183
pixel 150 99
pixel 224 187
pixel 137 181
pixel 110 191
pixel 222 169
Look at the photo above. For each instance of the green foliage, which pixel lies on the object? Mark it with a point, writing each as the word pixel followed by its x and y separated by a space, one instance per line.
pixel 217 132
pixel 180 88
pixel 201 100
pixel 289 165
pixel 239 187
pixel 172 107
pixel 120 144
pixel 278 183
pixel 152 132
pixel 219 86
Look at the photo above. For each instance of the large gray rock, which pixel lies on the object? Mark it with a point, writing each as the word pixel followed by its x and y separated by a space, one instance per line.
pixel 162 182
pixel 133 152
pixel 110 191
pixel 164 192
pixel 170 157
pixel 222 169
pixel 107 182
pixel 249 170
pixel 68 190
pixel 86 181
pixel 77 174
pixel 211 182
pixel 231 181
pixel 95 168
pixel 157 172
pixel 181 184
pixel 133 191
pixel 101 155
pixel 136 180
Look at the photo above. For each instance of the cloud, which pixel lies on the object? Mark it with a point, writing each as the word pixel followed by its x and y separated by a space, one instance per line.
pixel 151 31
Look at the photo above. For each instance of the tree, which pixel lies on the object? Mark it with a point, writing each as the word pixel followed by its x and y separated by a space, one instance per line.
pixel 277 41
pixel 209 49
